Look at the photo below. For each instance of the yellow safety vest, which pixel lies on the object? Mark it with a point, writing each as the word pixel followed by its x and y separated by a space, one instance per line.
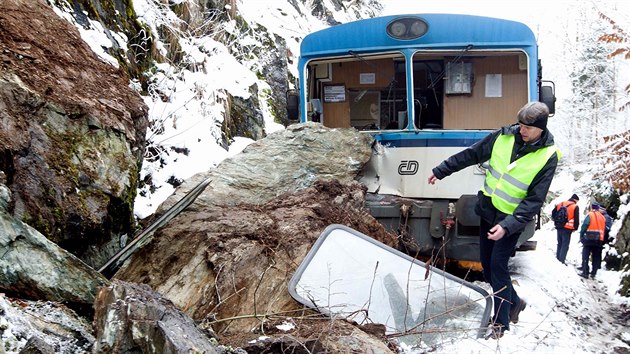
pixel 507 183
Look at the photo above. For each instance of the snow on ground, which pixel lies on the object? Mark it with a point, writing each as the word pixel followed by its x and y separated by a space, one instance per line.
pixel 565 313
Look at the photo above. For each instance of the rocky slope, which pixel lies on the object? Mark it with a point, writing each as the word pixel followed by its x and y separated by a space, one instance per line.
pixel 72 135
pixel 72 132
pixel 220 268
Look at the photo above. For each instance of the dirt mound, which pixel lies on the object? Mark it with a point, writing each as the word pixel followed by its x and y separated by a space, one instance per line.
pixel 228 267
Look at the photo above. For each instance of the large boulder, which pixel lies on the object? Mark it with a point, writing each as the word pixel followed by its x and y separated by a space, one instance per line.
pixel 32 267
pixel 229 266
pixel 227 259
pixel 36 326
pixel 286 161
pixel 72 132
pixel 131 318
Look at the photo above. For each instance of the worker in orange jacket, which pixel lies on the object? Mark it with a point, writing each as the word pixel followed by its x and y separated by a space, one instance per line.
pixel 565 230
pixel 593 238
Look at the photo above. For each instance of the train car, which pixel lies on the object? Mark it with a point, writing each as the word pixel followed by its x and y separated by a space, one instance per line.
pixel 425 86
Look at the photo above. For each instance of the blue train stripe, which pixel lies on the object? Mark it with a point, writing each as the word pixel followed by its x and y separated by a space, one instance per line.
pixel 430 138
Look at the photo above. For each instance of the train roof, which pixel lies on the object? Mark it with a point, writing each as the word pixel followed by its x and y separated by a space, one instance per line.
pixel 444 31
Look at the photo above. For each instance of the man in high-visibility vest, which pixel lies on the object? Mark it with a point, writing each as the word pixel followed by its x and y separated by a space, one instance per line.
pixel 566 228
pixel 593 236
pixel 522 162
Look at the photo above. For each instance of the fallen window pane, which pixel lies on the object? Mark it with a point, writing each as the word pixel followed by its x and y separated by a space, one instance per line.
pixel 350 275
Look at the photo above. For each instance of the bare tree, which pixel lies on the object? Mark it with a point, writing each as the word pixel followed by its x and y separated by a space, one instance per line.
pixel 615 150
pixel 620 38
pixel 593 81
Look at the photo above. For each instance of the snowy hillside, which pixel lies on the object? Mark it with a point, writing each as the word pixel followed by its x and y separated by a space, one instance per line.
pixel 187 108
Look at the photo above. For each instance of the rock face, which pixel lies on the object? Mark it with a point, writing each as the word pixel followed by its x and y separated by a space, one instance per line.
pixel 131 318
pixel 623 245
pixel 72 136
pixel 243 117
pixel 32 267
pixel 37 326
pixel 227 259
pixel 72 132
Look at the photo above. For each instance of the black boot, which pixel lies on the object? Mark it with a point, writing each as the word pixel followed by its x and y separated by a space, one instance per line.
pixel 516 309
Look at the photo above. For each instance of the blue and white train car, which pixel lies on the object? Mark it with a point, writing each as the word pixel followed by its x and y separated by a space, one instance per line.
pixel 425 86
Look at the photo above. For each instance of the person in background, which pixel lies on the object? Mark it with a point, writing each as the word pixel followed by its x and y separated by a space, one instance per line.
pixel 609 222
pixel 565 230
pixel 593 237
pixel 522 162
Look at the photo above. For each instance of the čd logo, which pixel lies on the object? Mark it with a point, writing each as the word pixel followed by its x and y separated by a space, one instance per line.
pixel 408 167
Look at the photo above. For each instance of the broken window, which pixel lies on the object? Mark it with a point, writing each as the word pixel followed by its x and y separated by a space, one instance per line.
pixel 350 275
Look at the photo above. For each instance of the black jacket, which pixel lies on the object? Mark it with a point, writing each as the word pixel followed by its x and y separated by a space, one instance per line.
pixel 480 152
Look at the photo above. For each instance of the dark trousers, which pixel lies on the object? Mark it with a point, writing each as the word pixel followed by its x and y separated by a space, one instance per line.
pixel 494 260
pixel 596 253
pixel 564 238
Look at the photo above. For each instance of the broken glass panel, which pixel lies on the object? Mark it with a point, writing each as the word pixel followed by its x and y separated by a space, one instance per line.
pixel 350 275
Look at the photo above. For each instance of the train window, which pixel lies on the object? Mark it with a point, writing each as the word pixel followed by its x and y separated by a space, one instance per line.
pixel 365 111
pixel 351 275
pixel 359 91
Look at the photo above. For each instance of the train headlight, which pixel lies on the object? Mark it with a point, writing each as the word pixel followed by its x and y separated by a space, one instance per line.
pixel 418 28
pixel 398 29
pixel 407 28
